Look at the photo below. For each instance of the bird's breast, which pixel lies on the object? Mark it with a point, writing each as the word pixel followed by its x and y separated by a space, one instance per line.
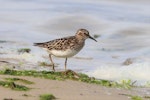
pixel 63 53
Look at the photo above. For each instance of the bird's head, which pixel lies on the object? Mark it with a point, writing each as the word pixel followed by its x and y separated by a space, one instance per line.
pixel 84 34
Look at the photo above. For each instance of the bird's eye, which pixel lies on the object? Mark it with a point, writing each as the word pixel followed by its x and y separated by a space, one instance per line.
pixel 85 34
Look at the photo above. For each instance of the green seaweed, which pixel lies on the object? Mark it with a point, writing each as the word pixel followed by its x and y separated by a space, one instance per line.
pixel 67 75
pixel 3 41
pixel 13 86
pixel 24 50
pixel 47 97
pixel 19 79
pixel 96 36
pixel 8 99
pixel 44 64
pixel 136 98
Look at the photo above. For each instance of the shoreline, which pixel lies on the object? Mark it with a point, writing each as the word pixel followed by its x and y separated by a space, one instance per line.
pixel 63 90
pixel 68 89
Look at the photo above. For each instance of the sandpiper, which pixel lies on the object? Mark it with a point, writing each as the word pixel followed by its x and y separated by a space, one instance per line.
pixel 67 46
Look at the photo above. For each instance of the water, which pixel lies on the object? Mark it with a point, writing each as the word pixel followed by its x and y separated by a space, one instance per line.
pixel 123 28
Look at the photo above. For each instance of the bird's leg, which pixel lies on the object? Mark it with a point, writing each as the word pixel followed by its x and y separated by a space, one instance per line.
pixel 66 64
pixel 52 62
pixel 67 72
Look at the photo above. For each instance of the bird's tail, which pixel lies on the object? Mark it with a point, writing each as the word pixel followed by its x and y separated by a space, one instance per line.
pixel 39 44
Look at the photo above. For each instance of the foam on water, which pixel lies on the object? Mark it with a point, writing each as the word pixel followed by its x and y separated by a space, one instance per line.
pixel 138 72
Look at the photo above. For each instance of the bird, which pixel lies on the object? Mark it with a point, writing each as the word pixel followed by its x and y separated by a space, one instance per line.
pixel 66 47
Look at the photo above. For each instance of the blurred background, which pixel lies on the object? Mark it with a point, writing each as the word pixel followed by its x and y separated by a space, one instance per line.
pixel 122 28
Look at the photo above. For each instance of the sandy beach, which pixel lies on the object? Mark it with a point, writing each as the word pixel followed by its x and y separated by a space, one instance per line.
pixel 122 53
pixel 64 90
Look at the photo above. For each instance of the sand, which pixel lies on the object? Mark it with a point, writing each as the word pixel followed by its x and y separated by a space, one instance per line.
pixel 63 90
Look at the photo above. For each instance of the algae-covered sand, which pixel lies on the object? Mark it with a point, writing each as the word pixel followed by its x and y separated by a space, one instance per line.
pixel 63 90
pixel 63 87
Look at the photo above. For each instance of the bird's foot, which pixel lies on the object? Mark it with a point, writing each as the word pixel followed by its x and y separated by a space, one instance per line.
pixel 72 73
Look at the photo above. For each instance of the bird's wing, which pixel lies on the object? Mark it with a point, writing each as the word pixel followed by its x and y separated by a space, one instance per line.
pixel 58 44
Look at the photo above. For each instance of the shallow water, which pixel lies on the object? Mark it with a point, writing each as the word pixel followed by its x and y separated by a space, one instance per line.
pixel 124 29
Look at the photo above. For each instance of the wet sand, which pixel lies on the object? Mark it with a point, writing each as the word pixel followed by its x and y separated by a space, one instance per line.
pixel 63 90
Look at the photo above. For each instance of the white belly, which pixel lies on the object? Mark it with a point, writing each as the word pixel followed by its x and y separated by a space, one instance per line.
pixel 63 54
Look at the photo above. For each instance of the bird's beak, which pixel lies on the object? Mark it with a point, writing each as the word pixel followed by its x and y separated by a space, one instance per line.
pixel 92 38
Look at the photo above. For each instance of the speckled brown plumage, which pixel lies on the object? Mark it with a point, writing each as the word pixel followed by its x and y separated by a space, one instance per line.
pixel 67 46
pixel 62 44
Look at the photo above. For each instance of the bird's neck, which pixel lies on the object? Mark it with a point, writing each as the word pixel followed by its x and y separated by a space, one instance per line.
pixel 80 39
